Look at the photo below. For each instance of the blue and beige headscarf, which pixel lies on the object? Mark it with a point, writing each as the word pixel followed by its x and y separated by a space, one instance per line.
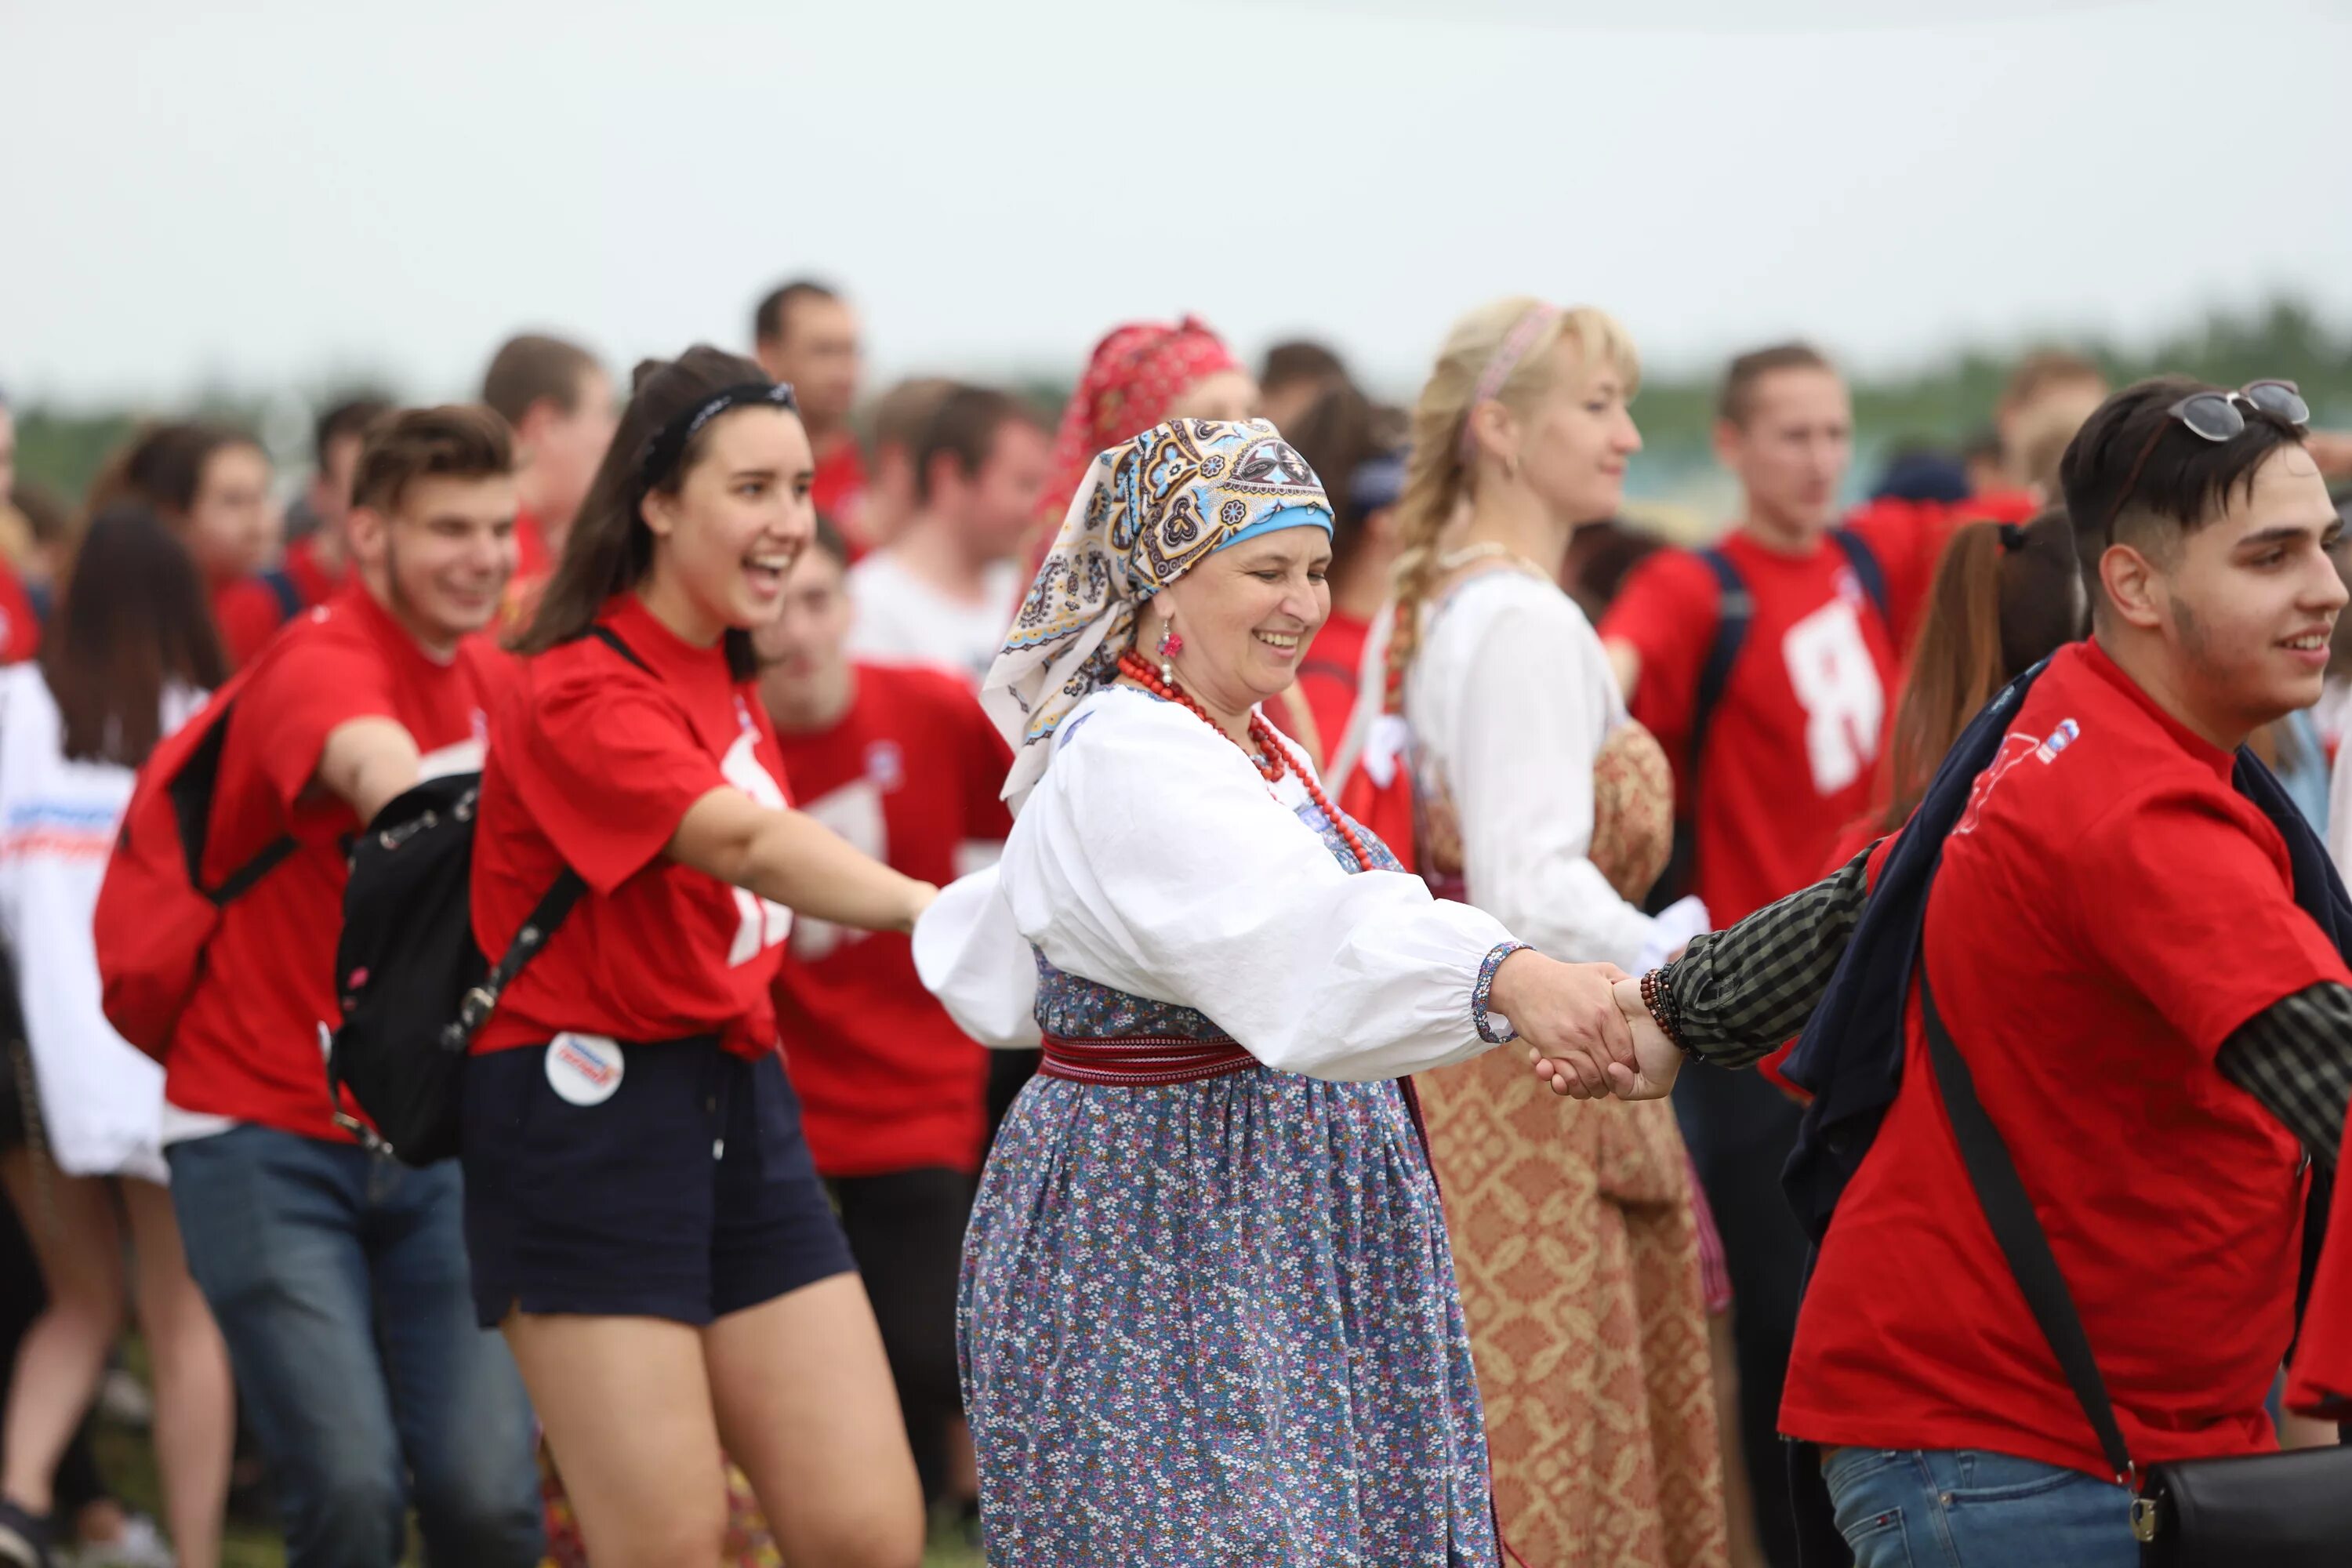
pixel 1151 509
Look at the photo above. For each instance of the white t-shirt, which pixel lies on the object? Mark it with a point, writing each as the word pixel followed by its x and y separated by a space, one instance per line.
pixel 901 619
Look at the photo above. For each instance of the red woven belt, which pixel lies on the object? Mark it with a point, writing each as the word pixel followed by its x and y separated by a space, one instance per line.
pixel 1140 1061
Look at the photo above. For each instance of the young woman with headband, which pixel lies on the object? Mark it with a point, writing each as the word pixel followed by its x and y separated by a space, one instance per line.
pixel 1538 800
pixel 644 1220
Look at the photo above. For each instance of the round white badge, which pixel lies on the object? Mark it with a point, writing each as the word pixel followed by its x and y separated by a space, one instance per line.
pixel 584 1069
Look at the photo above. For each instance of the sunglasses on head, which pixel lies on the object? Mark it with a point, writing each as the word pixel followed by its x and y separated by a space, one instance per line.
pixel 2216 416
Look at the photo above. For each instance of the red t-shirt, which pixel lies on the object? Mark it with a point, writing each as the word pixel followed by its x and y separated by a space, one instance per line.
pixel 249 611
pixel 248 1045
pixel 2107 912
pixel 1327 676
pixel 20 629
pixel 838 488
pixel 593 763
pixel 910 776
pixel 1793 741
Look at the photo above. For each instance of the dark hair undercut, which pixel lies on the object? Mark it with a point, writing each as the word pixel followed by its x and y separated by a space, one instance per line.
pixel 2178 481
pixel 463 441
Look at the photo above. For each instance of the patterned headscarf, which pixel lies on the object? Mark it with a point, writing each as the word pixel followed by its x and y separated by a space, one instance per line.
pixel 1130 378
pixel 1152 509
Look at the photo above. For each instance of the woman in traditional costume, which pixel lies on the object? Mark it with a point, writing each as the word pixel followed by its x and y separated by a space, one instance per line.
pixel 1537 799
pixel 1208 1311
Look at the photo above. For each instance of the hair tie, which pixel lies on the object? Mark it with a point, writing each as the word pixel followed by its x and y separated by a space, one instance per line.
pixel 1521 337
pixel 2012 537
pixel 667 447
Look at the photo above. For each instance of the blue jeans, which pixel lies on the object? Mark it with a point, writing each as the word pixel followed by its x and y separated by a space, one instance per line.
pixel 339 1280
pixel 1900 1508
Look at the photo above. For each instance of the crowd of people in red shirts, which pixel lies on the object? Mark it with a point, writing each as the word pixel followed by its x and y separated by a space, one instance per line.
pixel 715 650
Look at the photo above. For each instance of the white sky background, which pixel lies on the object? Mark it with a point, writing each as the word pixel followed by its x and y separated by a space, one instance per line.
pixel 265 194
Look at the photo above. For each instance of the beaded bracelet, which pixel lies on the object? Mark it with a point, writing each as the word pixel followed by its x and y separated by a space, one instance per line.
pixel 1658 996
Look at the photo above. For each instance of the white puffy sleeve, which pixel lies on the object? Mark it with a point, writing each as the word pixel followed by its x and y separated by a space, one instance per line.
pixel 1519 764
pixel 972 957
pixel 1153 860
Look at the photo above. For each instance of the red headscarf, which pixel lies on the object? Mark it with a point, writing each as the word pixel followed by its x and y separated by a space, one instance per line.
pixel 1130 378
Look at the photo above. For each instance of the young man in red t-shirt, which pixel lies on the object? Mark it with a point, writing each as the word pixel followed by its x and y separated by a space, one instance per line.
pixel 901 763
pixel 1767 777
pixel 338 1275
pixel 559 402
pixel 805 336
pixel 2157 1030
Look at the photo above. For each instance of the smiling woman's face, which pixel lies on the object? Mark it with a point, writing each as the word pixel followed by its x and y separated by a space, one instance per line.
pixel 1247 615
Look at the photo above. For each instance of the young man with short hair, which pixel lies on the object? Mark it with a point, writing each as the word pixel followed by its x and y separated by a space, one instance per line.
pixel 900 761
pixel 2151 1016
pixel 1767 668
pixel 805 334
pixel 559 404
pixel 945 591
pixel 896 429
pixel 338 1275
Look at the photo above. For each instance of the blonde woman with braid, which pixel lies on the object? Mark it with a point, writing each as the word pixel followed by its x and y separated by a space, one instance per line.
pixel 1538 800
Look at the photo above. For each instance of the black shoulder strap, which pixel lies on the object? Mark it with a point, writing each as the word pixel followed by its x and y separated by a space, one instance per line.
pixel 550 913
pixel 288 593
pixel 190 794
pixel 1867 572
pixel 611 639
pixel 2002 1192
pixel 1735 609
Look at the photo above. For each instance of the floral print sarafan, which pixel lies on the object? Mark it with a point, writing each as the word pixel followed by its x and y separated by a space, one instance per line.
pixel 1216 1322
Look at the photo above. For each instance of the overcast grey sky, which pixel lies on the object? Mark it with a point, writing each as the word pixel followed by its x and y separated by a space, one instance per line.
pixel 269 192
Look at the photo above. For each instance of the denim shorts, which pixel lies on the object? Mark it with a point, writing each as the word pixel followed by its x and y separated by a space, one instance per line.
pixel 676 1185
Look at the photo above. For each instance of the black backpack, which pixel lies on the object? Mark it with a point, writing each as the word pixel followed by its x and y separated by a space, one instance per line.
pixel 412 981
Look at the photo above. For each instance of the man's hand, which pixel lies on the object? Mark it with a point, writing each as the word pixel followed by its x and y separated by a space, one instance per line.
pixel 1650 1074
pixel 1569 1012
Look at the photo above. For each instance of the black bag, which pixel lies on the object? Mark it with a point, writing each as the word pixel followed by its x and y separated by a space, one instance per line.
pixel 412 982
pixel 2290 1510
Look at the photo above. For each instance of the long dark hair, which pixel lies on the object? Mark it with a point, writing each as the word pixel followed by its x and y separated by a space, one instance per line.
pixel 609 549
pixel 2005 598
pixel 133 620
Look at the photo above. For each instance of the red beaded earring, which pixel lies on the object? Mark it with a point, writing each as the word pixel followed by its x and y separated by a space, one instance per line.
pixel 1170 645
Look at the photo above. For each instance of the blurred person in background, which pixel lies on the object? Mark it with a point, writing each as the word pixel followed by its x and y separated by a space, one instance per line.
pixel 1980 462
pixel 1343 435
pixel 558 401
pixel 1295 378
pixel 944 591
pixel 902 763
pixel 317 563
pixel 133 652
pixel 49 529
pixel 805 336
pixel 1764 666
pixel 1137 375
pixel 2049 389
pixel 1546 807
pixel 211 484
pixel 897 428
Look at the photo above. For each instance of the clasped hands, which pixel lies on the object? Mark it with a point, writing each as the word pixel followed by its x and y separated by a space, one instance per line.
pixel 1588 1033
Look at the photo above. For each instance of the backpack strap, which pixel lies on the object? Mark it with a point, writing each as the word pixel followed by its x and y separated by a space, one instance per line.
pixel 191 794
pixel 1736 607
pixel 287 593
pixel 1867 572
pixel 2022 1241
pixel 550 913
pixel 611 639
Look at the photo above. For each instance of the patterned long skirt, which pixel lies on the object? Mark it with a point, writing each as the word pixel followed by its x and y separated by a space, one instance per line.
pixel 1216 1323
pixel 1578 1261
